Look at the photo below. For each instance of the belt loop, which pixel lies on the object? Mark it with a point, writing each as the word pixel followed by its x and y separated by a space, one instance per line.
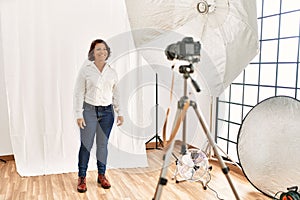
pixel 97 113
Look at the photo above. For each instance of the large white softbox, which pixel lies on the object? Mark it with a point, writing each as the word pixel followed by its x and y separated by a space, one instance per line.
pixel 227 30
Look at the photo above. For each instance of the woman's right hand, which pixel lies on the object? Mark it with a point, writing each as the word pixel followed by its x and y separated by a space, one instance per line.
pixel 81 123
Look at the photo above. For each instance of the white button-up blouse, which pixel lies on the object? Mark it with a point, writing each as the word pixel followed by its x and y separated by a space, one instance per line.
pixel 96 88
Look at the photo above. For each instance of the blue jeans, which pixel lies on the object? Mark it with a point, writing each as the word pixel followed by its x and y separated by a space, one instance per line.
pixel 99 121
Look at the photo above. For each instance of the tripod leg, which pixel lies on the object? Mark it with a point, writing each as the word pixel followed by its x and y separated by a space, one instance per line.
pixel 225 169
pixel 183 105
pixel 207 150
pixel 160 141
pixel 162 178
pixel 180 114
pixel 157 142
pixel 229 157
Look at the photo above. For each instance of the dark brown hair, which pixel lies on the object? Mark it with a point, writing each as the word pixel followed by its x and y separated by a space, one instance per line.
pixel 91 51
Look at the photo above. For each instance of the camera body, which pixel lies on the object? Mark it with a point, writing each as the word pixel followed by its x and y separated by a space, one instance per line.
pixel 186 49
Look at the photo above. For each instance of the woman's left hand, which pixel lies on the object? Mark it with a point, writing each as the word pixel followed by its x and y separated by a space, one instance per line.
pixel 120 120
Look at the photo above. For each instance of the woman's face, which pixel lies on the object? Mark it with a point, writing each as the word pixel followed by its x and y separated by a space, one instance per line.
pixel 100 52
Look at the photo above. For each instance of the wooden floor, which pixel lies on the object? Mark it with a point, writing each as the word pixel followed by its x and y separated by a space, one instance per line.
pixel 127 184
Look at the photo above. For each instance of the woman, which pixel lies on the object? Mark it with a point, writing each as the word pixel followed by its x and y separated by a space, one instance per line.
pixel 95 100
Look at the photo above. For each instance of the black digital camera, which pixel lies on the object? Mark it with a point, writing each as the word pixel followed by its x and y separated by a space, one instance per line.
pixel 186 49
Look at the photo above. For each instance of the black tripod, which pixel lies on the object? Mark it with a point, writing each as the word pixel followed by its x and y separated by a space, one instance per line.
pixel 183 104
pixel 157 138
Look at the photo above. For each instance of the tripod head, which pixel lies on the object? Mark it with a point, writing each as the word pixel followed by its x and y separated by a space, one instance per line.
pixel 186 70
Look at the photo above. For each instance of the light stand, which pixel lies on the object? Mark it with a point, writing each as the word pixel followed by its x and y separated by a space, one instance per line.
pixel 183 105
pixel 157 138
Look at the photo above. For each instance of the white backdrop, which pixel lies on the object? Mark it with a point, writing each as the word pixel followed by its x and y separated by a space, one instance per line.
pixel 5 144
pixel 44 44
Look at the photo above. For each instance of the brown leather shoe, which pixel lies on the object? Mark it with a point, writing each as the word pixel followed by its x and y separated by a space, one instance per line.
pixel 103 181
pixel 81 186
